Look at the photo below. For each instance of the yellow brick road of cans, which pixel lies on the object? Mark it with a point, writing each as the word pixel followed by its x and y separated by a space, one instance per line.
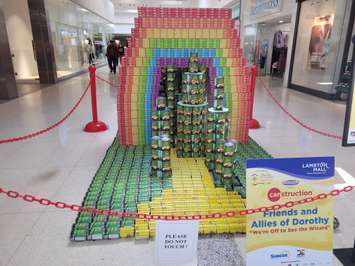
pixel 193 193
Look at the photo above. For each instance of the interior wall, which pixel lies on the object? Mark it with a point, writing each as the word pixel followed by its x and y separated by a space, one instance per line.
pixel 123 28
pixel 20 36
pixel 103 8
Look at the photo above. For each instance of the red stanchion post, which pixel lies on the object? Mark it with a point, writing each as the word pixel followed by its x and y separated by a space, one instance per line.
pixel 253 123
pixel 95 125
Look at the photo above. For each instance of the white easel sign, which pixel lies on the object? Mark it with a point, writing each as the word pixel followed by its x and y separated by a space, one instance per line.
pixel 176 241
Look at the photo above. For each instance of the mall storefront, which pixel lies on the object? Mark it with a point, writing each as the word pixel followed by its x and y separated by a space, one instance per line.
pixel 48 39
pixel 321 44
pixel 267 36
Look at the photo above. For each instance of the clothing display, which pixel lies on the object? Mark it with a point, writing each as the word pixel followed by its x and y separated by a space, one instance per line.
pixel 279 54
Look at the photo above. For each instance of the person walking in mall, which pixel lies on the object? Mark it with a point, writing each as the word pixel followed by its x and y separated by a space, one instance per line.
pixel 90 51
pixel 112 56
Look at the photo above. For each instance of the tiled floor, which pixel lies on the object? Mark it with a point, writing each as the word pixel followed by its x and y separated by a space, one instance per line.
pixel 60 165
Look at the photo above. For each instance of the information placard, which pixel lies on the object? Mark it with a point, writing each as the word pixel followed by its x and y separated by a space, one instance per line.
pixel 176 241
pixel 300 235
pixel 349 127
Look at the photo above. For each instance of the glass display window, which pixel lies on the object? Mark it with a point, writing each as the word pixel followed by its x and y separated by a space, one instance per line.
pixel 320 26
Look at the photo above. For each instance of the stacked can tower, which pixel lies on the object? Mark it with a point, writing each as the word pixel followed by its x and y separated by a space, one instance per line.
pixel 161 161
pixel 191 112
pixel 229 164
pixel 217 129
pixel 171 35
pixel 161 118
pixel 171 100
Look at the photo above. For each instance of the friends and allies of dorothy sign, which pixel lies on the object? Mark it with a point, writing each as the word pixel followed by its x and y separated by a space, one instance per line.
pixel 290 236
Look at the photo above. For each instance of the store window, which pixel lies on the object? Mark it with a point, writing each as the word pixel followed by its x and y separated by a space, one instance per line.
pixel 320 27
pixel 73 29
pixel 249 43
pixel 236 16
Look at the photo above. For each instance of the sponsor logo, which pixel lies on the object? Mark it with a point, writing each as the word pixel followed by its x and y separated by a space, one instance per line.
pixel 281 255
pixel 300 252
pixel 291 182
pixel 352 133
pixel 275 194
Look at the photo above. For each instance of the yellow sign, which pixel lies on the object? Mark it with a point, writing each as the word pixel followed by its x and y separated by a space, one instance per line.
pixel 349 133
pixel 296 235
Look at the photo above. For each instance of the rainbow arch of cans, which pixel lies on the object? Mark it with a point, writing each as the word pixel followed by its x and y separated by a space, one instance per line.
pixel 168 36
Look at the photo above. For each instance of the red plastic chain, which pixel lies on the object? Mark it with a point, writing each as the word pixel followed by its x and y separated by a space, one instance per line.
pixel 62 205
pixel 296 119
pixel 106 81
pixel 40 132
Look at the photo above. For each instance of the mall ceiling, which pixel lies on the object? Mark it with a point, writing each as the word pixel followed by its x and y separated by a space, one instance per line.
pixel 130 5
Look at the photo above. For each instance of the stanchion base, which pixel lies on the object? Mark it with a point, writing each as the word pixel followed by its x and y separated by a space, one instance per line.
pixel 93 127
pixel 254 124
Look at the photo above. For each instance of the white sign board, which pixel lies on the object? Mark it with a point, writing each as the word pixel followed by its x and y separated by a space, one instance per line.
pixel 176 241
pixel 265 7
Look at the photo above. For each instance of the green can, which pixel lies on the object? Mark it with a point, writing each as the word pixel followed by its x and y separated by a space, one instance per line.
pixel 165 142
pixel 195 89
pixel 155 153
pixel 203 68
pixel 166 174
pixel 209 138
pixel 220 145
pixel 218 104
pixel 211 165
pixel 170 68
pixel 210 156
pixel 210 147
pixel 155 142
pixel 186 154
pixel 166 165
pixel 218 167
pixel 156 164
pixel 164 114
pixel 219 158
pixel 219 93
pixel 155 115
pixel 165 155
pixel 185 78
pixel 187 110
pixel 156 125
pixel 219 82
pixel 210 116
pixel 185 98
pixel 161 103
pixel 230 147
pixel 165 125
pixel 187 147
pixel 170 77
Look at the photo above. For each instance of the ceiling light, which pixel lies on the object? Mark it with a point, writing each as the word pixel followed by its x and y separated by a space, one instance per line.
pixel 281 21
pixel 132 11
pixel 171 3
pixel 83 9
pixel 325 83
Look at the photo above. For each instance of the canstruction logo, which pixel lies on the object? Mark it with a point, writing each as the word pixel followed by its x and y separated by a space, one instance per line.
pixel 275 194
